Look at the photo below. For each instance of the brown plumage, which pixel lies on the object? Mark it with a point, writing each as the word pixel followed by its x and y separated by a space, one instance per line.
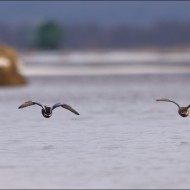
pixel 183 111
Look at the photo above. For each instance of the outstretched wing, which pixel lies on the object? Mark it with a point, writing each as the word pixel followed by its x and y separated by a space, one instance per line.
pixel 167 100
pixel 29 103
pixel 66 107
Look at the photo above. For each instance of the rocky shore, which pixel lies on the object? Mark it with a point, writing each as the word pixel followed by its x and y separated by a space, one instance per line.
pixel 9 67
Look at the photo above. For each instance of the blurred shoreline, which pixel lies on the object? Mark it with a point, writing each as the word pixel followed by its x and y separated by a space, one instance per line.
pixel 105 62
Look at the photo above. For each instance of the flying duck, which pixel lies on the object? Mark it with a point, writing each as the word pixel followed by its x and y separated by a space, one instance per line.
pixel 47 111
pixel 183 111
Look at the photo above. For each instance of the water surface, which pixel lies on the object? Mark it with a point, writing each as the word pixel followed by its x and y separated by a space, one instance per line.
pixel 122 139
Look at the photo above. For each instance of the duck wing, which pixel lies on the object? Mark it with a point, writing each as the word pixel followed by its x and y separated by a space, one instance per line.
pixel 168 100
pixel 66 107
pixel 29 103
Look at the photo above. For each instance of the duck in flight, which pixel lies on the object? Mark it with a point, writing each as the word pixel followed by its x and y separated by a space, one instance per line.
pixel 47 111
pixel 183 111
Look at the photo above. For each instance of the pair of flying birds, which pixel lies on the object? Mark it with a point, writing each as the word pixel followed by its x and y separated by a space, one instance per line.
pixel 47 111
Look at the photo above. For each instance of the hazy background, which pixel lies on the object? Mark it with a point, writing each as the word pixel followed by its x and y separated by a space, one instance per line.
pixel 85 24
pixel 104 13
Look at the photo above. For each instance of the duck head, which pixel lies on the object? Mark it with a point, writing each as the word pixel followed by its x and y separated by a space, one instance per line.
pixel 47 112
pixel 183 111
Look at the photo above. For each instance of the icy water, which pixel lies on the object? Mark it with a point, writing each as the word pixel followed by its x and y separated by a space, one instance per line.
pixel 122 139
